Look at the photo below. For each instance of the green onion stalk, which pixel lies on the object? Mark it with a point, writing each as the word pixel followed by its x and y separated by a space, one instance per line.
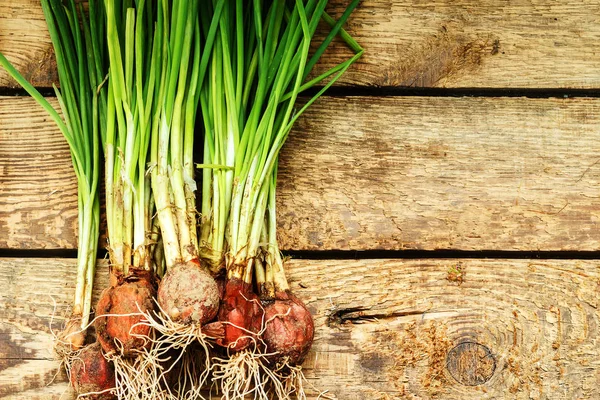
pixel 187 295
pixel 79 44
pixel 260 63
pixel 129 204
pixel 135 38
pixel 156 69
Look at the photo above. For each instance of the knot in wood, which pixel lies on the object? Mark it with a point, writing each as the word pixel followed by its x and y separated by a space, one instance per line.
pixel 471 363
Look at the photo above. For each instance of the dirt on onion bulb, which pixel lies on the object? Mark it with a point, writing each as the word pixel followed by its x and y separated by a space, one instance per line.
pixel 241 315
pixel 119 327
pixel 188 294
pixel 92 375
pixel 289 329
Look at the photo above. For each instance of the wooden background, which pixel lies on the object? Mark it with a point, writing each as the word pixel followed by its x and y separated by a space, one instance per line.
pixel 470 126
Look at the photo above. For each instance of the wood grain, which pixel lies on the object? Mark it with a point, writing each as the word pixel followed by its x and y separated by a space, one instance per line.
pixel 38 189
pixel 371 173
pixel 474 43
pixel 434 43
pixel 25 41
pixel 442 173
pixel 539 320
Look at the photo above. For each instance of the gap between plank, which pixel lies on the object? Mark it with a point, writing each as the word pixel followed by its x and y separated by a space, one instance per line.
pixel 394 91
pixel 20 92
pixel 442 254
pixel 359 254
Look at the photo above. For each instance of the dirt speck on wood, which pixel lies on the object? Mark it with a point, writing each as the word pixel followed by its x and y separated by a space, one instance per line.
pixel 413 356
pixel 456 274
pixel 39 71
pixel 448 53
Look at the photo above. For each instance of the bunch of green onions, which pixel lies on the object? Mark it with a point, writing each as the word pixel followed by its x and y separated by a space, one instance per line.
pixel 134 77
pixel 260 64
pixel 129 202
pixel 156 62
pixel 78 45
pixel 256 73
pixel 79 40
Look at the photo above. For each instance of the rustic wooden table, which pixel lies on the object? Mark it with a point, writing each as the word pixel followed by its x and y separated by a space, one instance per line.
pixel 486 145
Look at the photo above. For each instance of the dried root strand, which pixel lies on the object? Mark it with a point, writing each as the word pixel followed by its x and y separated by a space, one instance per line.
pixel 253 372
pixel 67 360
pixel 175 364
pixel 285 381
pixel 249 373
pixel 239 375
pixel 140 378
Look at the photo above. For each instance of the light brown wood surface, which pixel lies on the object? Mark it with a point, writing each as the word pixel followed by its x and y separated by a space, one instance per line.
pixel 467 43
pixel 371 173
pixel 538 320
pixel 379 173
pixel 475 43
pixel 443 173
pixel 25 41
pixel 38 189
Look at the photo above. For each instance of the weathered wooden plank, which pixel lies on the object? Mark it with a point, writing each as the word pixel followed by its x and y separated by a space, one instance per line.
pixel 442 173
pixel 526 329
pixel 371 173
pixel 25 41
pixel 34 306
pixel 38 189
pixel 474 43
pixel 435 43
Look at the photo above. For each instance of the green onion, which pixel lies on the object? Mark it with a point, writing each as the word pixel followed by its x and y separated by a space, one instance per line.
pixel 79 57
pixel 129 203
pixel 260 64
pixel 157 63
pixel 248 110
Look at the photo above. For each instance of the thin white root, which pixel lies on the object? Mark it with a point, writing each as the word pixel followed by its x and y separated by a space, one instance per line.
pixel 249 373
pixel 287 381
pixel 67 359
pixel 63 352
pixel 239 375
pixel 176 364
pixel 139 378
pixel 89 394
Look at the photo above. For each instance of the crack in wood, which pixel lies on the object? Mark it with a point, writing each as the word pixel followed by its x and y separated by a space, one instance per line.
pixel 358 315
